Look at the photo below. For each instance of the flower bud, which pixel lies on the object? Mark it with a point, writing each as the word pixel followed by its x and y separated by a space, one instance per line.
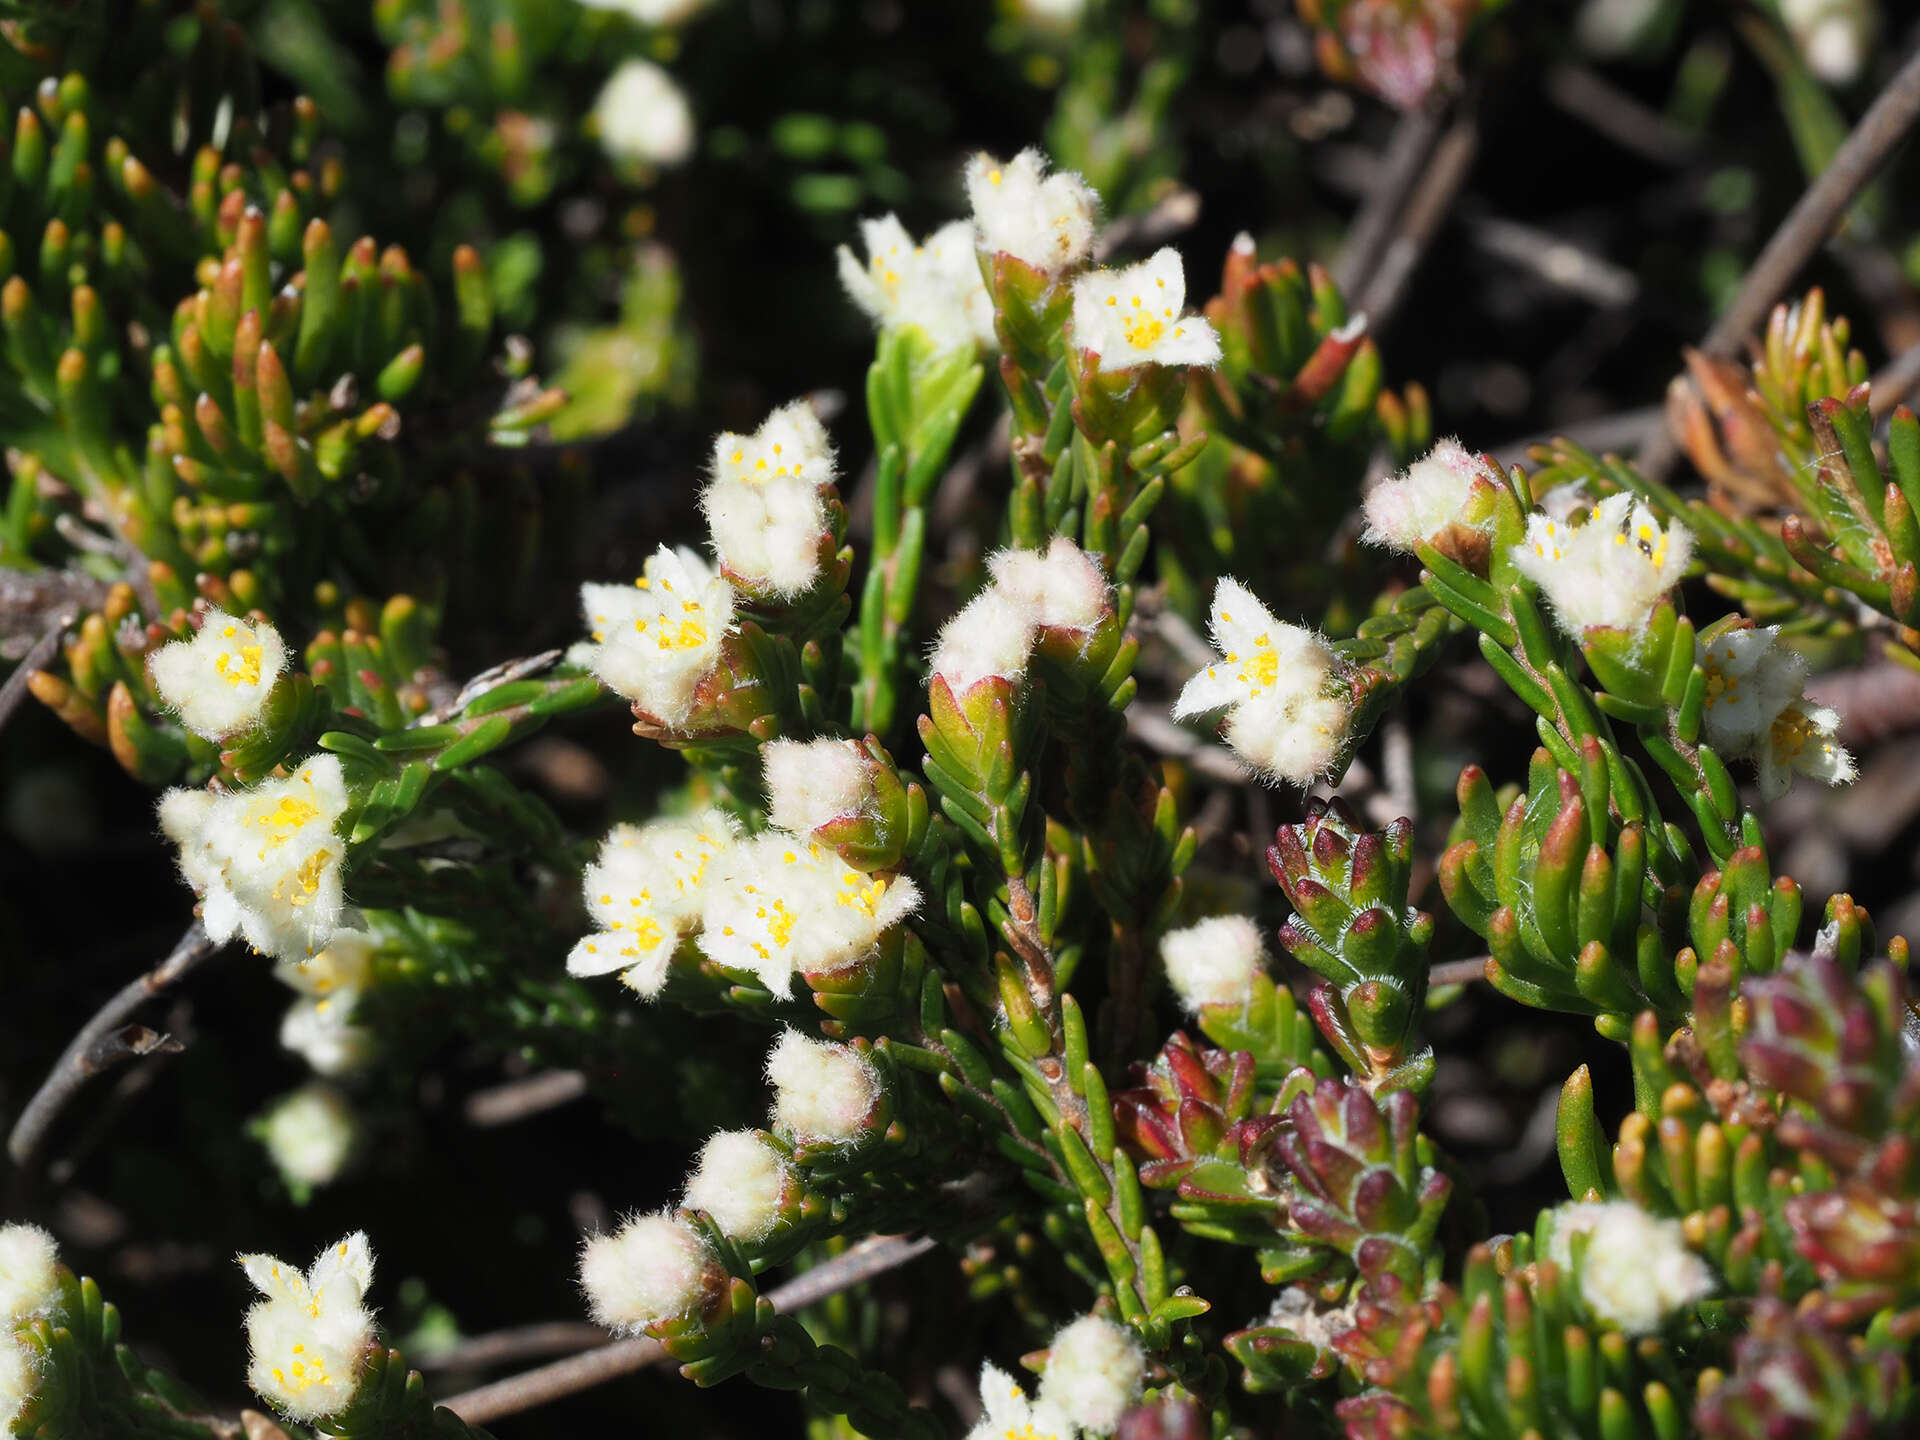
pixel 743 1183
pixel 643 116
pixel 822 1091
pixel 1637 1269
pixel 310 1133
pixel 1214 962
pixel 653 1269
pixel 1445 499
pixel 29 1283
pixel 1064 590
pixel 1094 1371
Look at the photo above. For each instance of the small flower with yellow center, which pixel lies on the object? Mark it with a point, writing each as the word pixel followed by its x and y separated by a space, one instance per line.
pixel 1042 220
pixel 1609 572
pixel 310 1335
pixel 1011 1414
pixel 783 905
pixel 655 640
pixel 319 1025
pixel 766 505
pixel 1274 682
pixel 219 680
pixel 932 285
pixel 1802 739
pixel 1134 316
pixel 645 891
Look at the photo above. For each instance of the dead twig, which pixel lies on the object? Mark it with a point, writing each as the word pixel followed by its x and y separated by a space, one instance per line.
pixel 522 1342
pixel 865 1261
pixel 1373 227
pixel 1425 213
pixel 1459 972
pixel 517 1099
pixel 103 1042
pixel 1807 226
pixel 15 688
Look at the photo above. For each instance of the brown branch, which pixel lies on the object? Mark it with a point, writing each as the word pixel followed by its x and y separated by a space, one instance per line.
pixel 1425 213
pixel 15 688
pixel 1459 972
pixel 1807 226
pixel 865 1261
pixel 522 1342
pixel 1373 227
pixel 518 1099
pixel 103 1042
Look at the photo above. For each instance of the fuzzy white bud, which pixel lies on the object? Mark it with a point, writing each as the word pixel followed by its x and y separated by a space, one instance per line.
pixel 1835 36
pixel 992 637
pixel 1608 572
pixel 28 1282
pixel 1423 501
pixel 933 285
pixel 1214 961
pixel 1063 588
pixel 1094 1371
pixel 1010 1411
pixel 643 116
pixel 740 1181
pixel 1133 316
pixel 656 639
pixel 310 1133
pixel 1637 1269
pixel 821 1091
pixel 653 1268
pixel 218 681
pixel 1272 680
pixel 815 782
pixel 1043 220
pixel 309 1336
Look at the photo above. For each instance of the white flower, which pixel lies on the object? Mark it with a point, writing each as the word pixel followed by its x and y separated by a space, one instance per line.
pixel 656 639
pixel 310 1335
pixel 821 1091
pixel 1801 739
pixel 1044 220
pixel 653 1268
pixel 652 12
pixel 266 860
pixel 1271 680
pixel 1094 1371
pixel 781 904
pixel 19 1378
pixel 28 1282
pixel 644 892
pixel 933 284
pixel 1834 35
pixel 310 1133
pixel 1132 316
pixel 218 681
pixel 740 1182
pixel 766 504
pixel 318 1025
pixel 1060 14
pixel 1751 678
pixel 1424 501
pixel 991 637
pixel 1637 1270
pixel 815 782
pixel 1011 1413
pixel 643 116
pixel 1610 571
pixel 1214 961
pixel 1062 589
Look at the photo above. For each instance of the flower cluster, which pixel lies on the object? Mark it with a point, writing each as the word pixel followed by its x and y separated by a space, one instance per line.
pixel 1608 573
pixel 319 1026
pixel 1094 1371
pixel 655 640
pixel 309 1336
pixel 645 893
pixel 1034 597
pixel 1637 1269
pixel 1046 221
pixel 219 680
pixel 766 503
pixel 1134 316
pixel 1754 706
pixel 1277 684
pixel 266 861
pixel 933 285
